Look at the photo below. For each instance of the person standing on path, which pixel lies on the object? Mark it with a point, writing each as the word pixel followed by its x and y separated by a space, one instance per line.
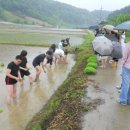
pixel 125 88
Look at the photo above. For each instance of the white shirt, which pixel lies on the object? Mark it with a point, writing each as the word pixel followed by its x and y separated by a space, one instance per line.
pixel 59 53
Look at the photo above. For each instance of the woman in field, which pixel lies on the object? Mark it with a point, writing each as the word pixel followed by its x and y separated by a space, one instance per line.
pixel 24 70
pixel 12 77
pixel 40 62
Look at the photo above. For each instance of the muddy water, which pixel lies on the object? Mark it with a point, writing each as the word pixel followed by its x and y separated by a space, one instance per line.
pixel 109 115
pixel 30 99
pixel 74 41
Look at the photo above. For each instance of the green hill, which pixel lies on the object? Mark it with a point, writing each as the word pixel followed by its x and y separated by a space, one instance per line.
pixel 119 16
pixel 125 10
pixel 47 13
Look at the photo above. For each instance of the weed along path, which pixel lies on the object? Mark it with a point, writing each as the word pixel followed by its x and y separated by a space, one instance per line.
pixel 30 99
pixel 105 113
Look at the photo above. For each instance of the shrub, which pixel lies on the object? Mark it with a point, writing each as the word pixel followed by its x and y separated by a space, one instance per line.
pixel 90 70
pixel 37 127
pixel 92 55
pixel 92 59
pixel 92 64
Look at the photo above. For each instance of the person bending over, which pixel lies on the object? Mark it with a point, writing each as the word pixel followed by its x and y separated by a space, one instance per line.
pixel 24 70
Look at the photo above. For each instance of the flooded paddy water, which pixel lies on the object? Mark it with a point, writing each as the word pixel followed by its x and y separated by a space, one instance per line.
pixel 30 99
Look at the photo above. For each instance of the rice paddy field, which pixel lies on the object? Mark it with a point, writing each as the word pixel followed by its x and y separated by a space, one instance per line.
pixel 35 35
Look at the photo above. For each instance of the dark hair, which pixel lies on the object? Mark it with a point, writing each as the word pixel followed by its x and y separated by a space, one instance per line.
pixel 18 57
pixel 23 53
pixel 53 46
pixel 49 52
pixel 67 39
pixel 63 40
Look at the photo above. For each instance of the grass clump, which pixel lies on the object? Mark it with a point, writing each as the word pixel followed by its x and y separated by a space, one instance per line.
pixel 85 108
pixel 92 64
pixel 90 70
pixel 37 127
pixel 92 59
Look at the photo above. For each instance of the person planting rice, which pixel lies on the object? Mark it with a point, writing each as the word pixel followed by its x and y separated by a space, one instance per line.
pixel 52 48
pixel 24 70
pixel 60 55
pixel 12 77
pixel 66 43
pixel 60 44
pixel 40 62
pixel 51 52
pixel 49 57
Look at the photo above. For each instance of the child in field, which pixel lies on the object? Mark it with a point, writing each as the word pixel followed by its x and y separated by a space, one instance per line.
pixel 39 63
pixel 12 77
pixel 23 67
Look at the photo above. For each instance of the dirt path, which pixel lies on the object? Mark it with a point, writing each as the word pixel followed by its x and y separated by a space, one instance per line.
pixel 107 114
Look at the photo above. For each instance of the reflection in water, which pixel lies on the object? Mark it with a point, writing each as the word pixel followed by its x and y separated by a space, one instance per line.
pixel 30 99
pixel 50 75
pixel 40 93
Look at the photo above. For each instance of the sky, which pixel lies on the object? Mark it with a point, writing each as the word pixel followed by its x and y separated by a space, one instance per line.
pixel 110 5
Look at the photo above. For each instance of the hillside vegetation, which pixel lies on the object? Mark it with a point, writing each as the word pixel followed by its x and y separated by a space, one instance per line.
pixel 120 16
pixel 47 13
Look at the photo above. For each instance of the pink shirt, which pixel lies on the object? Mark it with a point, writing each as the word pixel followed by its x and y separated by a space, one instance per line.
pixel 126 56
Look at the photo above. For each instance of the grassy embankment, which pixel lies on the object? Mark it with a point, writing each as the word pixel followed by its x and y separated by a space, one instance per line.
pixel 64 109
